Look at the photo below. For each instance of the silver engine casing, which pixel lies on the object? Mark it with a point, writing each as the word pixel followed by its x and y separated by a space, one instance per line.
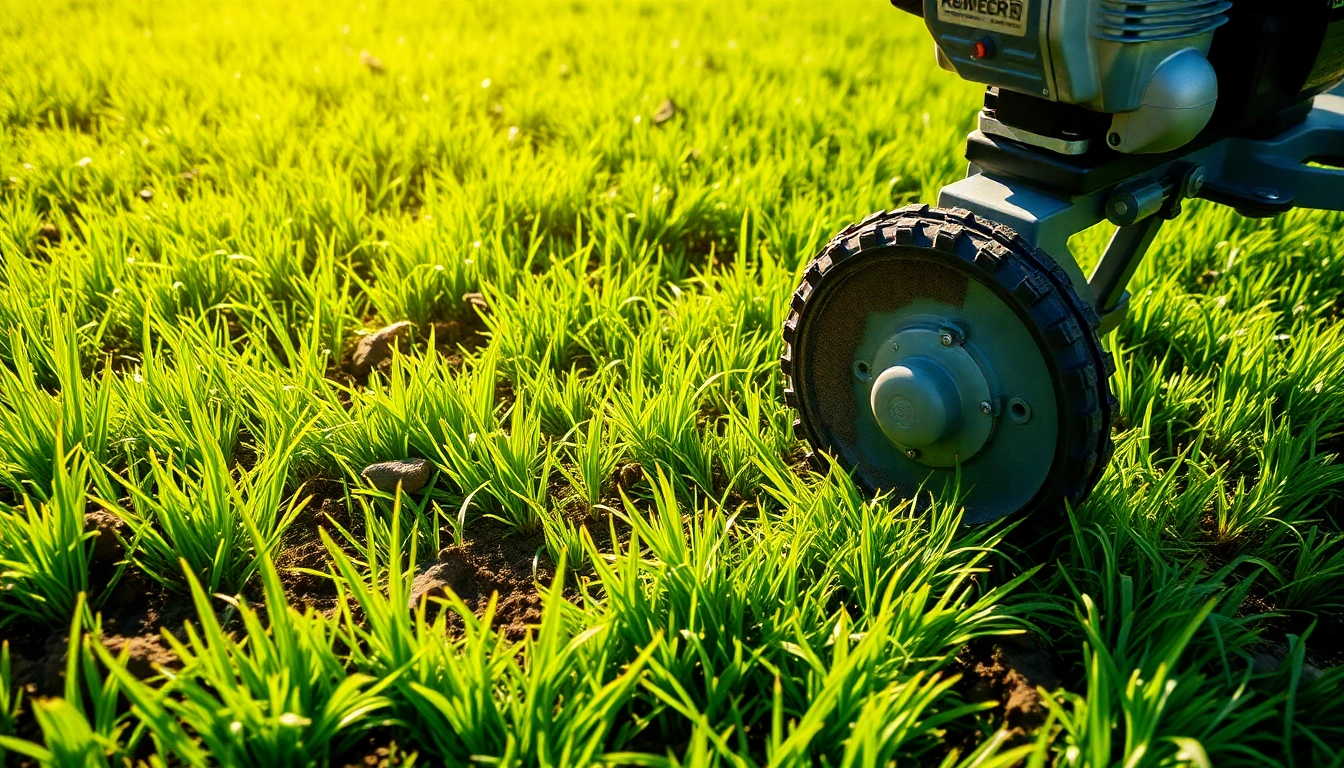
pixel 1142 61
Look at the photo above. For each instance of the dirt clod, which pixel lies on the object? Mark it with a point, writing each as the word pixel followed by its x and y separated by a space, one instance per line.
pixel 1265 663
pixel 148 653
pixel 491 561
pixel 109 530
pixel 629 474
pixel 376 347
pixel 666 111
pixel 1009 671
pixel 411 473
pixel 374 64
pixel 146 194
pixel 50 233
pixel 378 749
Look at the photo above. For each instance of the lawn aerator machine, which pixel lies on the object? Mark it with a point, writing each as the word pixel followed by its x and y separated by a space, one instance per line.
pixel 963 343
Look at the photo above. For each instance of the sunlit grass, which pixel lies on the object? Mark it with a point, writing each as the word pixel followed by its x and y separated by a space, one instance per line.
pixel 201 207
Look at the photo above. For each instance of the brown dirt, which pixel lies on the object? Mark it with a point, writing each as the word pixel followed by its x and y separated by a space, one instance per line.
pixel 1008 670
pixel 492 559
pixel 146 653
pixel 245 451
pixel 302 550
pixel 802 463
pixel 467 333
pixel 377 749
pixel 137 610
pixel 109 531
pixel 38 663
pixel 133 614
pixel 600 524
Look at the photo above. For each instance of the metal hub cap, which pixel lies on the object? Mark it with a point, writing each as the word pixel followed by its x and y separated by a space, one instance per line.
pixel 916 403
pixel 928 397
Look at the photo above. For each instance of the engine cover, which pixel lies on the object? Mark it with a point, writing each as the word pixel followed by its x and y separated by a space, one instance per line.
pixel 1144 61
pixel 1164 69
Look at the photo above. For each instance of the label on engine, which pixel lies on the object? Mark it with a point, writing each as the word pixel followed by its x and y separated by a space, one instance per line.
pixel 1006 16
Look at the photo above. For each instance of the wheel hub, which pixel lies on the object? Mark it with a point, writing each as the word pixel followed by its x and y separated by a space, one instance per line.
pixel 928 395
pixel 916 402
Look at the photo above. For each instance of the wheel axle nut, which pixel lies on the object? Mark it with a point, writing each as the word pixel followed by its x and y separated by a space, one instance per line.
pixel 986 407
pixel 915 403
pixel 911 453
pixel 946 338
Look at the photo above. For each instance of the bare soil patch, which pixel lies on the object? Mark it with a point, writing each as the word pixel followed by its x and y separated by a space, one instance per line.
pixel 1009 670
pixel 493 558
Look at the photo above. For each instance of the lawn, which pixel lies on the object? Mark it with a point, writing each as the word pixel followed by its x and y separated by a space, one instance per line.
pixel 589 217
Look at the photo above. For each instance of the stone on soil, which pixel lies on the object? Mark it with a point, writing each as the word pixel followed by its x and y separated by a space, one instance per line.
pixel 435 581
pixel 412 473
pixel 376 347
pixel 666 111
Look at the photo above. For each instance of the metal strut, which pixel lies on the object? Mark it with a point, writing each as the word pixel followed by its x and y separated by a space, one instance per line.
pixel 1118 263
pixel 1048 198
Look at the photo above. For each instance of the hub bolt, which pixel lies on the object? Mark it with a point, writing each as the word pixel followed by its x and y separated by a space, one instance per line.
pixel 951 333
pixel 986 407
pixel 911 453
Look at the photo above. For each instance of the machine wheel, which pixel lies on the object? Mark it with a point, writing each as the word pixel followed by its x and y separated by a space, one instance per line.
pixel 927 347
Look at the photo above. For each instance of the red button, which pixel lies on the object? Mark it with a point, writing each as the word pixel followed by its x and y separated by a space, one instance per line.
pixel 983 48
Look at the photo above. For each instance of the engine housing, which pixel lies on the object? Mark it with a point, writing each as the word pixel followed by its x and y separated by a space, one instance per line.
pixel 1155 66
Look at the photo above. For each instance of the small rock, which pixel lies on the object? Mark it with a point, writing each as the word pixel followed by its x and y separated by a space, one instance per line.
pixel 476 300
pixel 374 63
pixel 628 475
pixel 376 347
pixel 108 530
pixel 1271 658
pixel 437 579
pixel 1264 664
pixel 146 194
pixel 148 654
pixel 189 175
pixel 50 232
pixel 1310 672
pixel 411 473
pixel 666 111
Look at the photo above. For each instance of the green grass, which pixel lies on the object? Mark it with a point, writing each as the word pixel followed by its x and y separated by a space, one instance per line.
pixel 202 207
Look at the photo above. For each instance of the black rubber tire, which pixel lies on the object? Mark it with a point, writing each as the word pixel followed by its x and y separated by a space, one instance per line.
pixel 1041 293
